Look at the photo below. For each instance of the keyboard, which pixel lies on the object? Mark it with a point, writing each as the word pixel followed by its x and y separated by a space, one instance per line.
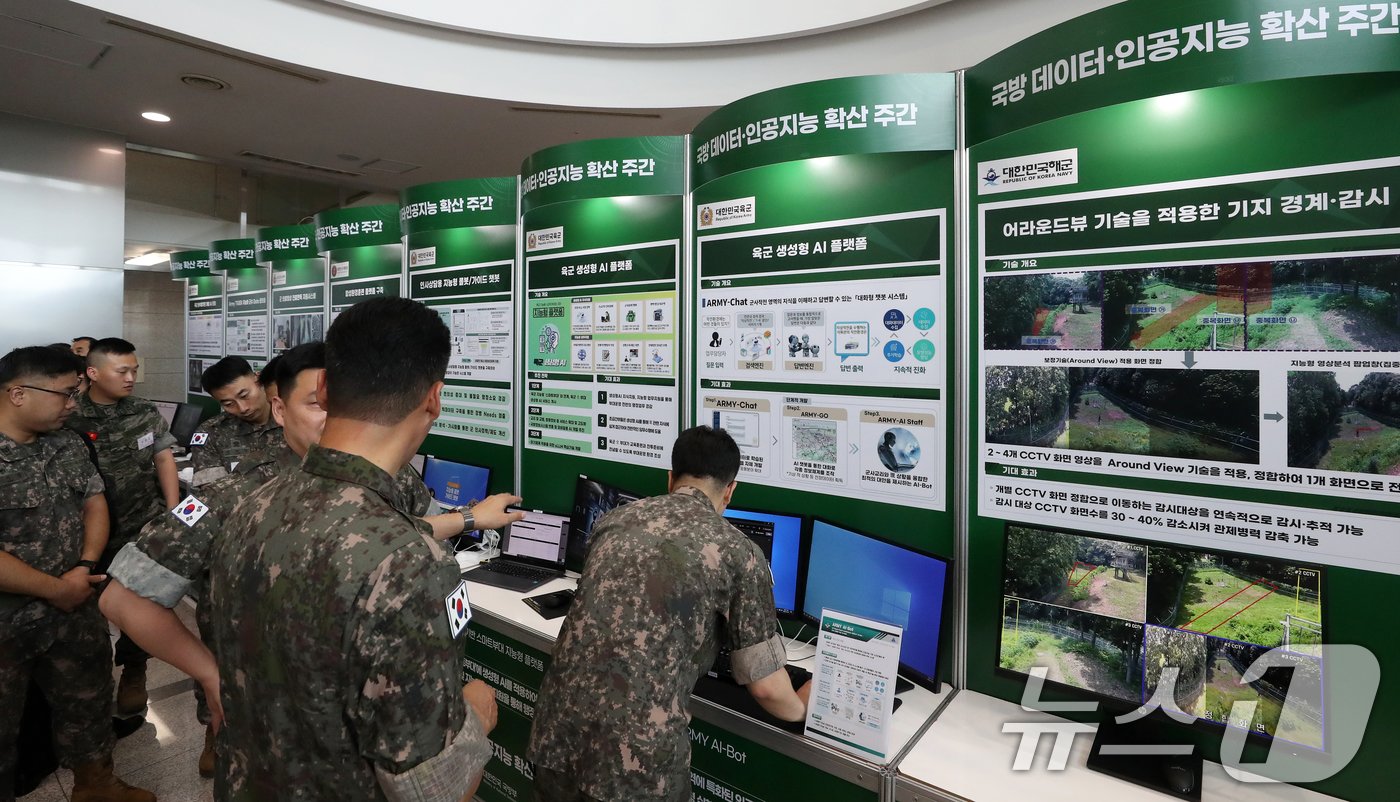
pixel 516 569
pixel 511 575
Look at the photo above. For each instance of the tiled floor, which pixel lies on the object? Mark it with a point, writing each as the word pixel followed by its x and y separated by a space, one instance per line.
pixel 163 755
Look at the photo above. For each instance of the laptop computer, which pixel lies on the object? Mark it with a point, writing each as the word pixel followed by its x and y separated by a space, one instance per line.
pixel 532 553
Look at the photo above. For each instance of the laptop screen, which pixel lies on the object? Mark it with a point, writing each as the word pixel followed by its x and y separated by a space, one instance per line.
pixel 455 484
pixel 540 536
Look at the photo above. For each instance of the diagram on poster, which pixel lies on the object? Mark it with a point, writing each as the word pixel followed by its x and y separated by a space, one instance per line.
pixel 246 335
pixel 204 334
pixel 833 444
pixel 1140 348
pixel 788 315
pixel 601 353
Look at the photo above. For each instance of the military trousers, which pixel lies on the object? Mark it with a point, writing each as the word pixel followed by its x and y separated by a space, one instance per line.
pixel 69 658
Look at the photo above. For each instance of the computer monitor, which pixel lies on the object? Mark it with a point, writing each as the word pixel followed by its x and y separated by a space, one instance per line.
pixel 592 500
pixel 184 423
pixel 455 484
pixel 1104 615
pixel 539 536
pixel 167 410
pixel 866 576
pixel 780 538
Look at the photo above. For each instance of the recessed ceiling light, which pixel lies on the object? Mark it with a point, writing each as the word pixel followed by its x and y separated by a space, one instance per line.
pixel 206 82
pixel 111 151
pixel 156 117
pixel 149 258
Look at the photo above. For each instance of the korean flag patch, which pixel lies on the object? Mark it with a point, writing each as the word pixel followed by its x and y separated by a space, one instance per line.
pixel 190 510
pixel 459 610
pixel 199 438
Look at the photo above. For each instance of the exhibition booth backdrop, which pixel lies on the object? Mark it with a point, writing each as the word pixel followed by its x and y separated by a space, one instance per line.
pixel 1111 320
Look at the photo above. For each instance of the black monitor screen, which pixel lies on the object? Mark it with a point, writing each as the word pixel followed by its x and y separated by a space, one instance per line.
pixel 592 500
pixel 780 538
pixel 1107 615
pixel 865 576
pixel 184 422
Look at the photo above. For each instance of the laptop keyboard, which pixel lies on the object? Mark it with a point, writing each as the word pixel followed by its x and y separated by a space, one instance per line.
pixel 517 569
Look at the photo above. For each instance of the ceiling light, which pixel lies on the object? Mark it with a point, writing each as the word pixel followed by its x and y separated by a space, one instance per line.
pixel 149 258
pixel 111 151
pixel 156 117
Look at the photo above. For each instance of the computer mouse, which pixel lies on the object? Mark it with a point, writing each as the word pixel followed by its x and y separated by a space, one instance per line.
pixel 554 601
pixel 1180 778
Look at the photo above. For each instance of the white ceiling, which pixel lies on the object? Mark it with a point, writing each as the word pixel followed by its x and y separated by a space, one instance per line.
pixel 72 64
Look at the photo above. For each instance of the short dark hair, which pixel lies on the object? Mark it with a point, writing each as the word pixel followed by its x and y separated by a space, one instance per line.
pixel 224 372
pixel 58 346
pixel 704 453
pixel 268 375
pixel 382 355
pixel 109 346
pixel 37 360
pixel 84 337
pixel 307 356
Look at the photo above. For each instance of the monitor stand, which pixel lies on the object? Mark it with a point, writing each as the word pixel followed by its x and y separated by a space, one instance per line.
pixel 1144 759
pixel 901 685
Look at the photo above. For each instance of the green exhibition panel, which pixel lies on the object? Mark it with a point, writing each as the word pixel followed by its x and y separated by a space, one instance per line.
pixel 459 238
pixel 823 241
pixel 512 661
pixel 298 277
pixel 364 255
pixel 601 229
pixel 246 315
pixel 204 319
pixel 1185 379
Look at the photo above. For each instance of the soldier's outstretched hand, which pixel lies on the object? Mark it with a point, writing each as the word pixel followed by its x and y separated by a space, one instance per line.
pixel 490 512
pixel 481 698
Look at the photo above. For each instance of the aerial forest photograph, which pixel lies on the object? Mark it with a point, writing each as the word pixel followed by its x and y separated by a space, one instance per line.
pixel 1347 303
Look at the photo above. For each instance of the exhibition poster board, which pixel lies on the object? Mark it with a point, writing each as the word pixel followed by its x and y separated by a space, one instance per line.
pixel 364 256
pixel 247 317
pixel 601 230
pixel 204 318
pixel 298 278
pixel 1186 312
pixel 822 217
pixel 459 240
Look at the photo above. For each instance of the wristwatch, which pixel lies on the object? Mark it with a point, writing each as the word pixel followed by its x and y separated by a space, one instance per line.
pixel 91 565
pixel 468 520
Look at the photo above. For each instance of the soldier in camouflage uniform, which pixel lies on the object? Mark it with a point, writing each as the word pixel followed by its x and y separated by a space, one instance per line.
pixel 667 582
pixel 133 444
pixel 53 525
pixel 170 558
pixel 336 609
pixel 245 424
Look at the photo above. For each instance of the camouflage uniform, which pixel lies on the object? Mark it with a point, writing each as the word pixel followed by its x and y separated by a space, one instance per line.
pixel 170 558
pixel 337 664
pixel 227 439
pixel 667 581
pixel 43 486
pixel 126 460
